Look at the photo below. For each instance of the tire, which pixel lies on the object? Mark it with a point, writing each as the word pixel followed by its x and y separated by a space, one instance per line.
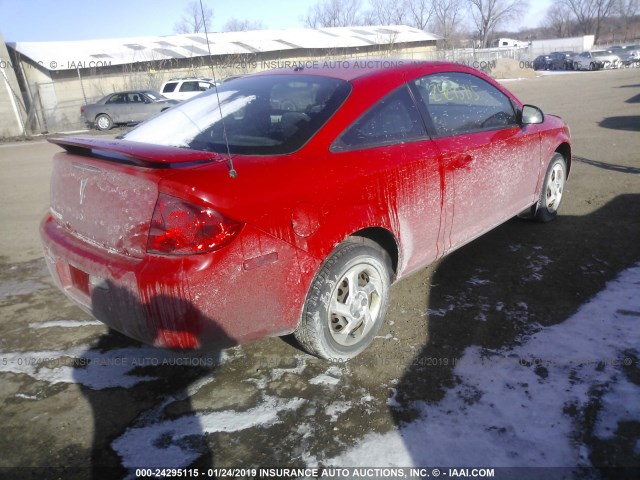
pixel 104 122
pixel 592 66
pixel 347 301
pixel 552 189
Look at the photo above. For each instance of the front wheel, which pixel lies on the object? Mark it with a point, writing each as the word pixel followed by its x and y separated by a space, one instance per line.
pixel 347 301
pixel 552 190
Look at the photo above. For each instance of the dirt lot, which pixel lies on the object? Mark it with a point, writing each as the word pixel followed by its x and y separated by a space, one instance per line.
pixel 82 400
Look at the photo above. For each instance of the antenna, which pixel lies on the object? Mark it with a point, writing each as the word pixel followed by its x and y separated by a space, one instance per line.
pixel 232 171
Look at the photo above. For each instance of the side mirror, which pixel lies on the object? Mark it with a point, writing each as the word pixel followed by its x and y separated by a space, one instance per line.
pixel 531 115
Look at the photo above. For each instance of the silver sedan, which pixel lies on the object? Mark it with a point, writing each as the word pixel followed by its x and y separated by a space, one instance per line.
pixel 125 107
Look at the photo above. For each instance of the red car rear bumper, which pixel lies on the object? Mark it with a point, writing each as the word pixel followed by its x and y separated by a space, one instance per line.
pixel 253 288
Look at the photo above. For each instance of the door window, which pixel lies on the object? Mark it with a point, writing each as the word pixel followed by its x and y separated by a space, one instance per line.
pixel 460 103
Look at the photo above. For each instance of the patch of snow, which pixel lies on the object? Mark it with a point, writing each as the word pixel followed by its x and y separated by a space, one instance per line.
pixel 96 369
pixel 335 371
pixel 441 312
pixel 392 401
pixel 536 267
pixel 324 379
pixel 64 324
pixel 337 408
pixel 301 364
pixel 388 336
pixel 513 411
pixel 478 281
pixel 620 403
pixel 173 443
pixel 27 397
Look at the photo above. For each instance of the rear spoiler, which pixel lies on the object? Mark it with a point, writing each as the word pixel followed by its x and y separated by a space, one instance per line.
pixel 141 154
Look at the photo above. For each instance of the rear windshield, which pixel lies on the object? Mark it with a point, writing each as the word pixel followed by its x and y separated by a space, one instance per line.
pixel 269 114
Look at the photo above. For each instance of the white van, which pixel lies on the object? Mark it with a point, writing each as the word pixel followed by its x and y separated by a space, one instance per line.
pixel 184 88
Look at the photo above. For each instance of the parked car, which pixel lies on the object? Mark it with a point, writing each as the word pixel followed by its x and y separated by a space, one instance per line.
pixel 224 223
pixel 559 61
pixel 586 61
pixel 540 62
pixel 124 108
pixel 630 58
pixel 185 88
pixel 629 55
pixel 608 59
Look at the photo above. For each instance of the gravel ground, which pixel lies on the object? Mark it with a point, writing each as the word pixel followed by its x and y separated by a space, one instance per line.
pixel 85 401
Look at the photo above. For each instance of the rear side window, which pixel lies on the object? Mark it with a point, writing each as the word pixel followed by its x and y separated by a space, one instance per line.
pixel 254 115
pixel 169 87
pixel 460 103
pixel 394 119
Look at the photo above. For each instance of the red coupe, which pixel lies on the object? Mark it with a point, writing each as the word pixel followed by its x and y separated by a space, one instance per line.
pixel 290 200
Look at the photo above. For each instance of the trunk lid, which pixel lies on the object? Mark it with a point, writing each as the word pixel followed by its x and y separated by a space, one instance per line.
pixel 104 191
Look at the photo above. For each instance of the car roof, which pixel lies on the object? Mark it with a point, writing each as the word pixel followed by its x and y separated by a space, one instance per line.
pixel 350 70
pixel 130 91
pixel 181 79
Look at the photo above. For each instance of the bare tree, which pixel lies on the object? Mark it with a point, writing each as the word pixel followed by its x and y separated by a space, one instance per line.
pixel 420 12
pixel 627 10
pixel 558 20
pixel 235 25
pixel 192 20
pixel 489 14
pixel 446 16
pixel 334 13
pixel 386 12
pixel 590 14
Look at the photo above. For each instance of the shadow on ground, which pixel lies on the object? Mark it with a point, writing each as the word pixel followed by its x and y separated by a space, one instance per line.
pixel 608 166
pixel 629 123
pixel 164 378
pixel 513 281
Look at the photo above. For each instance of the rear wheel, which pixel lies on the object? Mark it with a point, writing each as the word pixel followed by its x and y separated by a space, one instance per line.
pixel 347 301
pixel 104 122
pixel 552 190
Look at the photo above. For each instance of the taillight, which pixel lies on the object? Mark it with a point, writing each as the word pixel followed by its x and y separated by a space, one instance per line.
pixel 179 227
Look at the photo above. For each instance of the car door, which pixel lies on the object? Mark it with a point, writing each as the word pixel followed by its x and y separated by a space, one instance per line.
pixel 136 107
pixel 491 163
pixel 141 107
pixel 116 107
pixel 396 176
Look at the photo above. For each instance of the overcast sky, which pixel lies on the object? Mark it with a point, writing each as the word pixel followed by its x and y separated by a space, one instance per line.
pixel 54 20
